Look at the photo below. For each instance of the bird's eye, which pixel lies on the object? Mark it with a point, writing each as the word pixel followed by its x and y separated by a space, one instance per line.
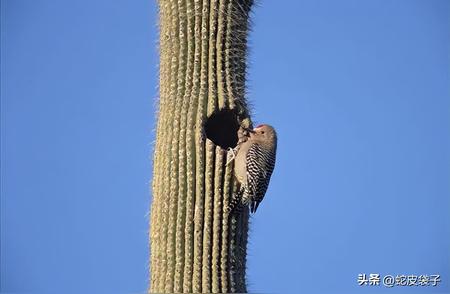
pixel 262 132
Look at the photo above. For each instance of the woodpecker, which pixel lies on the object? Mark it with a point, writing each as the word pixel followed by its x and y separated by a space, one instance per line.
pixel 254 164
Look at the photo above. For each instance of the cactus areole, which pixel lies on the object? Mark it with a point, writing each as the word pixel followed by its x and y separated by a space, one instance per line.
pixel 195 244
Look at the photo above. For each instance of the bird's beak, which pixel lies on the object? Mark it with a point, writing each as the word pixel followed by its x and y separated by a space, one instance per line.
pixel 249 130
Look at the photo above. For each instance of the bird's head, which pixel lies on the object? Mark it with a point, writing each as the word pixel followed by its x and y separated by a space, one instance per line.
pixel 265 133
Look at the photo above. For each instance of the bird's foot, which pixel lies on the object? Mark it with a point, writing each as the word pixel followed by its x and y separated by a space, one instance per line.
pixel 233 155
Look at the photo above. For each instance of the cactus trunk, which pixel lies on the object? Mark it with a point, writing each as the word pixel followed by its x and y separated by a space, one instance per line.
pixel 196 246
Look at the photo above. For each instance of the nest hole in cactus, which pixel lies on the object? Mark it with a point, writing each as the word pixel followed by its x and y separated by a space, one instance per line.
pixel 221 127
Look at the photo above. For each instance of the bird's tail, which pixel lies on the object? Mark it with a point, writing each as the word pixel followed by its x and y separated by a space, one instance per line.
pixel 254 206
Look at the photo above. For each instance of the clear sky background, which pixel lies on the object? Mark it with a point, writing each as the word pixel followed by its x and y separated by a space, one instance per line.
pixel 359 92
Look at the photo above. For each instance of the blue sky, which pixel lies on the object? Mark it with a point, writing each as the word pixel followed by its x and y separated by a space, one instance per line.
pixel 359 92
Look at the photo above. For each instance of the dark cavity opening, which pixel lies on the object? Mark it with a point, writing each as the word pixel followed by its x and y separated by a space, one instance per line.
pixel 222 127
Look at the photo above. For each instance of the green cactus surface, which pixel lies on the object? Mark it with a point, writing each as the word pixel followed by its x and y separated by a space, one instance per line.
pixel 196 245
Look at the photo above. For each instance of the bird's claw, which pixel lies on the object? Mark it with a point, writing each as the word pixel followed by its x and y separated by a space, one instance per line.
pixel 233 155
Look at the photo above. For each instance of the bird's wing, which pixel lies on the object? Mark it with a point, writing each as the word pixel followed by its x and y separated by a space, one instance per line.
pixel 260 164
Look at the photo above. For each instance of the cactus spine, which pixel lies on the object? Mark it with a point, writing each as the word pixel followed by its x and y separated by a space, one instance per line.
pixel 195 245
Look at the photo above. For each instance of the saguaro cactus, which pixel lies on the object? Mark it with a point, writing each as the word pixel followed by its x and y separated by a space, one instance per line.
pixel 196 245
